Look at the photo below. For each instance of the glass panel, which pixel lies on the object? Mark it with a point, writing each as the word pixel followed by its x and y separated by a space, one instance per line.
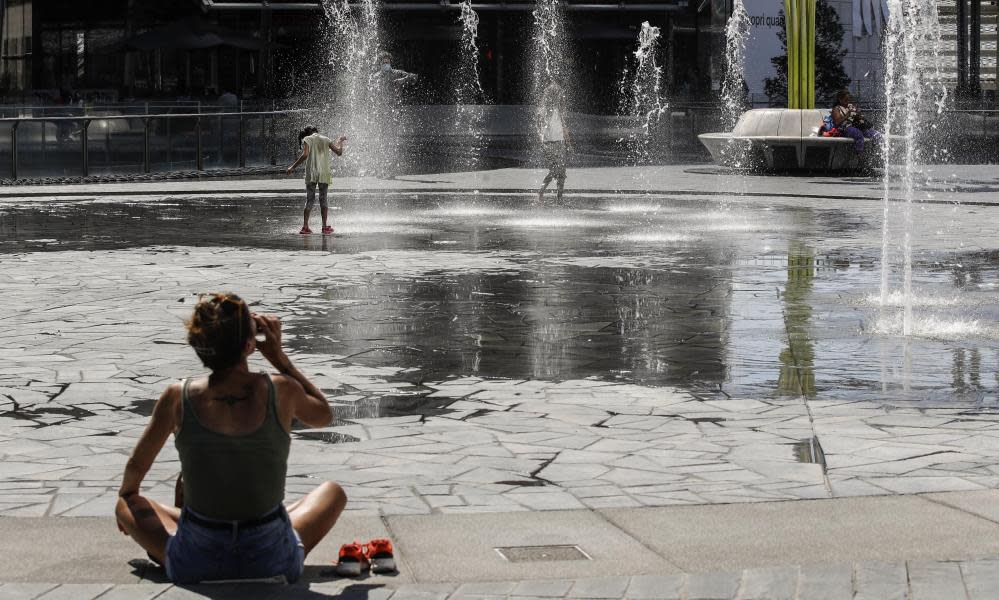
pixel 171 144
pixel 255 138
pixel 227 141
pixel 115 146
pixel 5 150
pixel 49 149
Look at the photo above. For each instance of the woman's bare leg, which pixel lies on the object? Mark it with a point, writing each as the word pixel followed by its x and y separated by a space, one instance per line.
pixel 314 515
pixel 147 522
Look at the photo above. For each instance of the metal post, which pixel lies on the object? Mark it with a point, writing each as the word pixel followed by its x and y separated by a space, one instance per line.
pixel 500 41
pixel 263 134
pixel 242 135
pixel 975 49
pixel 83 141
pixel 13 149
pixel 270 142
pixel 145 145
pixel 169 141
pixel 220 158
pixel 199 162
pixel 107 143
pixel 962 46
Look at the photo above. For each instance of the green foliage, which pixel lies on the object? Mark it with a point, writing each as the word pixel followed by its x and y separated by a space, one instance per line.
pixel 830 77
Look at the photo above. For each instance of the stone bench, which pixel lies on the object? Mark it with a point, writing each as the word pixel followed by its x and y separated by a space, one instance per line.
pixel 785 139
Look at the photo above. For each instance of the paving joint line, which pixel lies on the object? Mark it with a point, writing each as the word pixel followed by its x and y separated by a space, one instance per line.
pixel 605 518
pixel 926 497
pixel 964 582
pixel 804 400
pixel 405 565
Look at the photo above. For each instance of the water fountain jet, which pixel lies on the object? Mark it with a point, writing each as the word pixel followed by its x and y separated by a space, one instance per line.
pixel 734 84
pixel 468 92
pixel 912 81
pixel 363 110
pixel 642 94
pixel 550 42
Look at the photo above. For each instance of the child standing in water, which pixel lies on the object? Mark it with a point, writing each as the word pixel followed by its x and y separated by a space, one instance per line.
pixel 316 152
pixel 555 141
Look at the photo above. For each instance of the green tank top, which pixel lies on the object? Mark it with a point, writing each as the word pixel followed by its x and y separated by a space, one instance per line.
pixel 233 477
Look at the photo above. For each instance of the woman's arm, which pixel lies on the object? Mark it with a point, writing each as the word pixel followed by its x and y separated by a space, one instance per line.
pixel 308 402
pixel 162 423
pixel 298 161
pixel 838 115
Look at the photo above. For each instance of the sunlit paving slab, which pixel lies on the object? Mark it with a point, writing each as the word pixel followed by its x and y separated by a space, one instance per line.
pixel 484 354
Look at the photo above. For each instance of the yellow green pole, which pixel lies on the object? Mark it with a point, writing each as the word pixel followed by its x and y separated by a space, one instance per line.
pixel 799 23
pixel 791 21
pixel 802 54
pixel 810 48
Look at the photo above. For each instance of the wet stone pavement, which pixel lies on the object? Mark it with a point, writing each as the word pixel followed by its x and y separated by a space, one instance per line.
pixel 487 355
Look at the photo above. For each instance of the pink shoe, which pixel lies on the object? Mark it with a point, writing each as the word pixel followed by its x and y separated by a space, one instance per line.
pixel 305 231
pixel 327 230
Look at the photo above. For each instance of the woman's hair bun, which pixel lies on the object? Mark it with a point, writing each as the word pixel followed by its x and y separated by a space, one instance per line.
pixel 218 329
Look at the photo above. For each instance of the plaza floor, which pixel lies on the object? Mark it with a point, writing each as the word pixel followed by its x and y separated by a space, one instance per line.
pixel 668 338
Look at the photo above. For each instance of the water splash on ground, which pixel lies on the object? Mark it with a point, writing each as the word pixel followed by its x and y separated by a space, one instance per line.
pixel 933 327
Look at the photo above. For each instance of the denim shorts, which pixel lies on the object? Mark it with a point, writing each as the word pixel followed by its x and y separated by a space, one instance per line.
pixel 198 553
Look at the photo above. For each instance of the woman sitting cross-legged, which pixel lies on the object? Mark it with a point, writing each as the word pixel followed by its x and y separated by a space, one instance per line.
pixel 231 430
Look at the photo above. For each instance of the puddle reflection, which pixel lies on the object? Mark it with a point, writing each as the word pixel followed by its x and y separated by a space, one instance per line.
pixel 797 372
pixel 770 301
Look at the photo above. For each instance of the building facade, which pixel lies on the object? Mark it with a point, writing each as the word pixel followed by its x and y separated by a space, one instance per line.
pixel 197 49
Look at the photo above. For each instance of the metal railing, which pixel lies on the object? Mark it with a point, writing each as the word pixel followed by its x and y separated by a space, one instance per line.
pixel 54 146
pixel 442 5
pixel 70 129
pixel 151 107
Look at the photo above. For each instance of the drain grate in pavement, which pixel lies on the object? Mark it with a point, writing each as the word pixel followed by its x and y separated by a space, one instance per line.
pixel 517 554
